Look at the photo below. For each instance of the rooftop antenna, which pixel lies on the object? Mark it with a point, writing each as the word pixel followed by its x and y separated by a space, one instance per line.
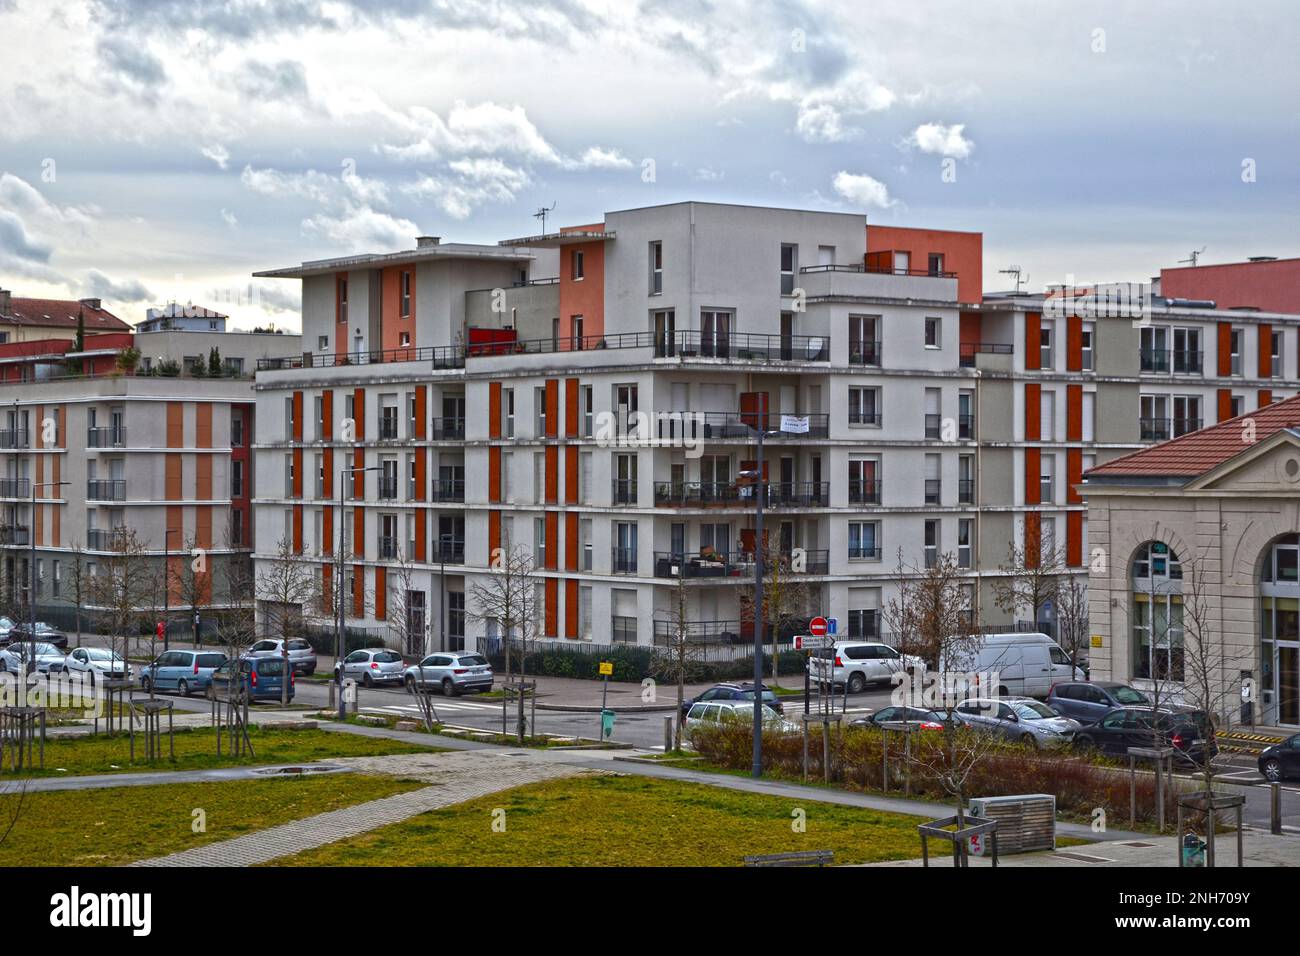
pixel 1015 271
pixel 542 214
pixel 1196 254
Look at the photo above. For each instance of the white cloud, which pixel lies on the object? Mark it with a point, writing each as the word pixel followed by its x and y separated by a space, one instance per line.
pixel 310 185
pixel 707 174
pixel 862 190
pixel 599 157
pixel 218 154
pixel 229 218
pixel 362 229
pixel 471 183
pixel 485 128
pixel 943 140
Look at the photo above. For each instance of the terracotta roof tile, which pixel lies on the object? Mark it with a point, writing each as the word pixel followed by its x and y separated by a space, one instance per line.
pixel 61 313
pixel 1196 453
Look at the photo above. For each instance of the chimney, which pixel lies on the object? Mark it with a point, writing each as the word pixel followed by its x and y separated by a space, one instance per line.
pixel 91 303
pixel 4 301
pixel 424 242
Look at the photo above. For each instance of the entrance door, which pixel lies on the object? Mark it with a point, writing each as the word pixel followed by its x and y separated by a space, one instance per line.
pixel 1288 684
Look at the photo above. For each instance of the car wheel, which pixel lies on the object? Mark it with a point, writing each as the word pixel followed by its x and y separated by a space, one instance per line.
pixel 1029 740
pixel 367 679
pixel 144 684
pixel 1003 692
pixel 309 671
pixel 1084 744
pixel 448 688
pixel 1272 771
pixel 410 682
pixel 857 683
pixel 183 688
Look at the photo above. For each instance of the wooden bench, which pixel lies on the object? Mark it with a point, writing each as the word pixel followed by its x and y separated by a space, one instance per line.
pixel 801 858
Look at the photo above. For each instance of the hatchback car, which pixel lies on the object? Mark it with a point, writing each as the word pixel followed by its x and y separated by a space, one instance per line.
pixel 898 718
pixel 185 672
pixel 734 691
pixel 1021 719
pixel 97 663
pixel 301 654
pixel 36 658
pixel 1281 761
pixel 262 678
pixel 373 665
pixel 859 663
pixel 22 631
pixel 1089 702
pixel 453 671
pixel 1189 731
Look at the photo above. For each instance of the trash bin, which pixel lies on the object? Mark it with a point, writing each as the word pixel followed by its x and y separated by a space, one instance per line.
pixel 606 724
pixel 1193 850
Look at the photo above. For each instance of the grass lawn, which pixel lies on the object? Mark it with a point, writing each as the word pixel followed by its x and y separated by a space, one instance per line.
pixel 623 821
pixel 197 750
pixel 122 824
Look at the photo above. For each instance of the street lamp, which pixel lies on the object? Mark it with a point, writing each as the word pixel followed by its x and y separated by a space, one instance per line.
pixel 31 560
pixel 167 588
pixel 444 540
pixel 344 474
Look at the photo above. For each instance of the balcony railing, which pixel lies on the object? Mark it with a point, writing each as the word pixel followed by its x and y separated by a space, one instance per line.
pixel 448 551
pixel 447 429
pixel 106 539
pixel 966 426
pixel 966 491
pixel 879 270
pixel 1184 426
pixel 442 356
pixel 15 487
pixel 106 489
pixel 14 438
pixel 624 491
pixel 864 552
pixel 387 487
pixel 858 416
pixel 387 547
pixel 106 437
pixel 448 489
pixel 623 560
pixel 388 429
pixel 969 350
pixel 747 346
pixel 865 353
pixel 1161 429
pixel 707 493
pixel 715 564
pixel 1187 362
pixel 15 535
pixel 865 492
pixel 933 488
pixel 717 426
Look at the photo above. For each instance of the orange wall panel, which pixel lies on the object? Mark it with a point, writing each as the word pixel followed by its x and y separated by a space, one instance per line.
pixel 552 407
pixel 570 542
pixel 327 414
pixel 203 476
pixel 1265 397
pixel 327 544
pixel 421 474
pixel 1225 349
pixel 1033 464
pixel 1074 539
pixel 172 481
pixel 421 412
pixel 1265 351
pixel 175 425
pixel 421 534
pixel 1073 344
pixel 571 470
pixel 1073 474
pixel 552 605
pixel 358 532
pixel 494 409
pixel 494 473
pixel 358 591
pixel 1074 413
pixel 381 594
pixel 359 412
pixel 571 609
pixel 552 458
pixel 203 425
pixel 297 529
pixel 552 529
pixel 1033 339
pixel 1033 411
pixel 1225 404
pixel 1033 539
pixel 327 479
pixel 494 536
pixel 297 473
pixel 571 425
pixel 297 416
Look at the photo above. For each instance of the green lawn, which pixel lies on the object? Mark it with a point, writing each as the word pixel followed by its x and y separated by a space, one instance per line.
pixel 197 750
pixel 623 821
pixel 119 825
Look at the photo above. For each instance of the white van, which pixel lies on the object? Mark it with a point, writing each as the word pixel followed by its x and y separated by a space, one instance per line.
pixel 1016 664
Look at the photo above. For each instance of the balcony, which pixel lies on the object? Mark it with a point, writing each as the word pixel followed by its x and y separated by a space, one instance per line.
pixel 715 564
pixel 15 536
pixel 388 429
pixel 387 547
pixel 106 437
pixel 738 426
pixel 106 539
pixel 933 488
pixel 872 280
pixel 14 438
pixel 448 551
pixel 623 560
pixel 15 487
pixel 865 353
pixel 1187 362
pixel 448 489
pixel 865 492
pixel 703 632
pixel 388 487
pixel 969 350
pixel 443 356
pixel 447 429
pixel 1153 429
pixel 624 491
pixel 744 346
pixel 696 494
pixel 106 489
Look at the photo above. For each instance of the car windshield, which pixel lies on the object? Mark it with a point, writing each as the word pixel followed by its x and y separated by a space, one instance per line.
pixel 299 645
pixel 211 660
pixel 271 667
pixel 1033 710
pixel 388 657
pixel 473 660
pixel 101 654
pixel 749 695
pixel 44 650
pixel 1128 696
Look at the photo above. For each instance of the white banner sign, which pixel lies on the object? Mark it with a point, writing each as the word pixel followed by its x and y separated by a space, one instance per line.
pixel 797 424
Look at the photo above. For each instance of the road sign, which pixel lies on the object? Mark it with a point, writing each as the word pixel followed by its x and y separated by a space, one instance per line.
pixel 808 642
pixel 817 627
pixel 606 668
pixel 832 626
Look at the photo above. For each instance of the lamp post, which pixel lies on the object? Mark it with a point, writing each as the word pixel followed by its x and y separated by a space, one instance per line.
pixel 31 560
pixel 167 588
pixel 344 474
pixel 443 541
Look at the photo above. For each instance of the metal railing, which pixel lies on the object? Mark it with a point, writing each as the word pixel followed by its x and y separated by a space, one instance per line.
pixel 1153 429
pixel 388 429
pixel 623 560
pixel 702 632
pixel 1184 426
pixel 449 551
pixel 747 346
pixel 106 489
pixel 865 492
pixel 1178 361
pixel 106 539
pixel 670 564
pixel 448 489
pixel 864 552
pixel 442 356
pixel 865 353
pixel 858 416
pixel 965 426
pixel 674 426
pixel 15 487
pixel 779 494
pixel 387 487
pixel 878 270
pixel 14 438
pixel 15 535
pixel 966 491
pixel 106 436
pixel 387 547
pixel 447 429
pixel 624 491
pixel 968 351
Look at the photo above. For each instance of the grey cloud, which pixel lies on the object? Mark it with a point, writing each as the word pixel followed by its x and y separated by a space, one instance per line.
pixel 15 242
pixel 286 80
pixel 99 286
pixel 131 61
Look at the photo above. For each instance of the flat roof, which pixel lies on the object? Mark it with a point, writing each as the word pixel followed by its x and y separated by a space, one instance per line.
pixel 449 251
pixel 551 240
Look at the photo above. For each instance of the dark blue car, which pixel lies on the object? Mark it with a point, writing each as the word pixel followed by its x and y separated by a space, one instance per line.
pixel 262 678
pixel 733 691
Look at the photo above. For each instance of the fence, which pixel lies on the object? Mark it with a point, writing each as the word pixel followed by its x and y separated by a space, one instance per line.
pixel 632 662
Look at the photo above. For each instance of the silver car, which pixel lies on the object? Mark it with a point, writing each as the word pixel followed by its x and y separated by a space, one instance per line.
pixel 374 665
pixel 97 663
pixel 1021 719
pixel 301 654
pixel 41 658
pixel 453 671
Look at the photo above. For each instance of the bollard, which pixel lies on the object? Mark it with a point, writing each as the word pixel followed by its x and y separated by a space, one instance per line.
pixel 1275 808
pixel 668 734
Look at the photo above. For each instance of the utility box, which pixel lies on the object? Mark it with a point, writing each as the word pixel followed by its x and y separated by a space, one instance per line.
pixel 1026 822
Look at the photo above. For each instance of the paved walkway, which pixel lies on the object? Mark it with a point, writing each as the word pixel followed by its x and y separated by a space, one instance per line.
pixel 453 778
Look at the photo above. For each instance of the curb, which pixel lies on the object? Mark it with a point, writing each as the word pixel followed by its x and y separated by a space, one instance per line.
pixel 585 709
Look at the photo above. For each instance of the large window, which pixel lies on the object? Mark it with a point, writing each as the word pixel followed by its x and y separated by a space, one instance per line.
pixel 1157 618
pixel 1279 635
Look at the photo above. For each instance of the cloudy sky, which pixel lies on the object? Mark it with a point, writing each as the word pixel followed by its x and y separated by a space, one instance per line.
pixel 165 149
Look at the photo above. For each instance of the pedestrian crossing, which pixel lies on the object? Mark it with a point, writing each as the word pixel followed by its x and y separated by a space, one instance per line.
pixel 458 706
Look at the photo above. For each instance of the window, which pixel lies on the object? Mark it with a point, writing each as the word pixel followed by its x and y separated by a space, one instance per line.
pixel 626 403
pixel 715 333
pixel 412 489
pixel 1234 350
pixel 1046 485
pixel 288 476
pixel 936 263
pixel 933 326
pixel 388 478
pixel 237 479
pixel 1236 406
pixel 1157 613
pixel 406 300
pixel 388 536
pixel 1275 368
pixel 1187 351
pixel 1045 360
pixel 864 481
pixel 404 338
pixel 322 342
pixel 588 410
pixel 388 418
pixel 1154 348
pixel 456 620
pixel 864 406
pixel 539 542
pixel 288 418
pixel 864 340
pixel 1087 361
pixel 625 542
pixel 788 259
pixel 57 579
pixel 575 332
pixel 656 268
pixel 1153 420
pixel 576 264
pixel 508 410
pixel 342 301
pixel 966 414
pixel 625 492
pixel 864 540
pixel 965 479
pixel 931 542
pixel 584 540
pixel 1187 414
pixel 539 409
pixel 965 529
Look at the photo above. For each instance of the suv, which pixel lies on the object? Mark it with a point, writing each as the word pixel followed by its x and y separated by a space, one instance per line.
pixel 301 654
pixel 262 678
pixel 734 691
pixel 859 663
pixel 454 671
pixel 182 671
pixel 1188 730
pixel 1088 703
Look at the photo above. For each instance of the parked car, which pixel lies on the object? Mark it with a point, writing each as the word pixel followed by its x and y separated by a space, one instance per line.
pixel 453 671
pixel 1188 730
pixel 262 678
pixel 859 663
pixel 97 663
pixel 1021 719
pixel 735 691
pixel 1281 761
pixel 6 626
pixel 896 718
pixel 37 657
pixel 1089 702
pixel 301 654
pixel 185 672
pixel 22 631
pixel 715 712
pixel 373 665
pixel 1023 664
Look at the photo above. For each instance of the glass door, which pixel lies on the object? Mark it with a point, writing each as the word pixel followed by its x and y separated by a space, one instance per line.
pixel 1288 684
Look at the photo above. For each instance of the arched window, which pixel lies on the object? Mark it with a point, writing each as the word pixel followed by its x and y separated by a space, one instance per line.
pixel 1157 592
pixel 1279 630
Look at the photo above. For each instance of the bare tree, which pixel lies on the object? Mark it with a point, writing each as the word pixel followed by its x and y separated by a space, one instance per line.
pixel 194 581
pixel 236 629
pixel 402 621
pixel 12 797
pixel 507 596
pixel 679 659
pixel 80 583
pixel 1031 577
pixel 125 588
pixel 285 585
pixel 1072 617
pixel 786 597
